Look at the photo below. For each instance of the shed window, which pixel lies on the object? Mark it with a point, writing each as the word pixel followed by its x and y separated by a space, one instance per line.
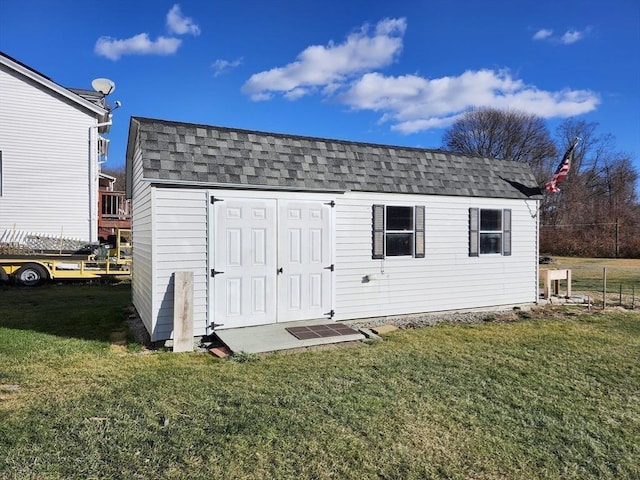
pixel 489 232
pixel 398 231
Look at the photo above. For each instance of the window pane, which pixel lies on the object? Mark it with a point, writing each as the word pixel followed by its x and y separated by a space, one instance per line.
pixel 399 244
pixel 491 220
pixel 490 243
pixel 400 218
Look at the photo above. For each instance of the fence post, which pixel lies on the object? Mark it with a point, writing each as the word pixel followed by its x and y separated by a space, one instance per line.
pixel 620 298
pixel 617 239
pixel 604 288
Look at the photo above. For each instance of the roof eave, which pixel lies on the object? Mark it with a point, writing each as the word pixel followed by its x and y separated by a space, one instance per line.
pixel 54 87
pixel 237 186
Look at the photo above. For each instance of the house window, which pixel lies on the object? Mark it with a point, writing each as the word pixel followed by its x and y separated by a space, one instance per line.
pixel 489 232
pixel 398 231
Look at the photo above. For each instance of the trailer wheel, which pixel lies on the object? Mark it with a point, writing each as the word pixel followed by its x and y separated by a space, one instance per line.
pixel 3 275
pixel 31 275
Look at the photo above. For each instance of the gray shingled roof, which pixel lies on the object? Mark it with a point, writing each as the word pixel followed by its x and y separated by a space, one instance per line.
pixel 184 153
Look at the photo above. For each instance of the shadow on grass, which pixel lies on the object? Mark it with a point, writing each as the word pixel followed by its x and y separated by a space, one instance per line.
pixel 87 311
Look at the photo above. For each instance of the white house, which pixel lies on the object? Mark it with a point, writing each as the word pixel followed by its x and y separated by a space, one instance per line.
pixel 279 228
pixel 49 153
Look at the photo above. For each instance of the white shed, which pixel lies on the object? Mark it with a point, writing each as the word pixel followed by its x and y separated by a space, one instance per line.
pixel 280 228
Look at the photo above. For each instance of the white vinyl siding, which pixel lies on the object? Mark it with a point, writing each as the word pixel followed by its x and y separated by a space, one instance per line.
pixel 447 278
pixel 142 234
pixel 179 244
pixel 46 159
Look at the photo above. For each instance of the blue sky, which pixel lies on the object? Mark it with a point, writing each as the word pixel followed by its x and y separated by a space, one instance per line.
pixel 364 70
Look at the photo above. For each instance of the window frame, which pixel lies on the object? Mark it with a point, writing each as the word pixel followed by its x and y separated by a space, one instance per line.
pixel 476 231
pixel 380 231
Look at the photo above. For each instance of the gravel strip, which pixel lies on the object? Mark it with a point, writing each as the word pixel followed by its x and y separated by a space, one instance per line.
pixel 429 319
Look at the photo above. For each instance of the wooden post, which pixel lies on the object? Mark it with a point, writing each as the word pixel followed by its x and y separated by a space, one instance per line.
pixel 620 298
pixel 604 288
pixel 183 312
pixel 617 239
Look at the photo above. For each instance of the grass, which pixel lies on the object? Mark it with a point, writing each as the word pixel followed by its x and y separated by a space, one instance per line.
pixel 555 396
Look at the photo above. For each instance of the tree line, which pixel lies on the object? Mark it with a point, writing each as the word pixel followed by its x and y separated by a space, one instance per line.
pixel 596 212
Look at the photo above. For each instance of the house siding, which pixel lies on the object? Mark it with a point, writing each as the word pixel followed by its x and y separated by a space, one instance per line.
pixel 46 157
pixel 142 234
pixel 447 278
pixel 180 244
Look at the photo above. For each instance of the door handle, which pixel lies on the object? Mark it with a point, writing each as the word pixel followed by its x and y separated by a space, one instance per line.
pixel 279 271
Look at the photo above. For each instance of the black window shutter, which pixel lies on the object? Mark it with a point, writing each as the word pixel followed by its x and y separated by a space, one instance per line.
pixel 377 250
pixel 419 231
pixel 474 235
pixel 506 232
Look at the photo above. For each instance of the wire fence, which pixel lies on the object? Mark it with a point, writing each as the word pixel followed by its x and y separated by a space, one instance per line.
pixel 601 288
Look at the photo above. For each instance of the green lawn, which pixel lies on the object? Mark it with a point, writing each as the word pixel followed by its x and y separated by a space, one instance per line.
pixel 555 397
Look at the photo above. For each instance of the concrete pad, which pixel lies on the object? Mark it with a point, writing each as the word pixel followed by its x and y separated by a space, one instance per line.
pixel 271 338
pixel 382 329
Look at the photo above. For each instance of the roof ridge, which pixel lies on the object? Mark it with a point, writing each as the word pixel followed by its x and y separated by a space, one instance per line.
pixel 312 138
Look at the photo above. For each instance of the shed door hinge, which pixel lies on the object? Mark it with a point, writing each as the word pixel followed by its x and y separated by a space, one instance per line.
pixel 214 200
pixel 330 314
pixel 330 267
pixel 214 272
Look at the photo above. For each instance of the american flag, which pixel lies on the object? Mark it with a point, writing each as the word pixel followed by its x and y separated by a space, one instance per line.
pixel 563 169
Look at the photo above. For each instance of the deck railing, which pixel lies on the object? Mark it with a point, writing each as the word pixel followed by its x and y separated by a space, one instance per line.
pixel 114 206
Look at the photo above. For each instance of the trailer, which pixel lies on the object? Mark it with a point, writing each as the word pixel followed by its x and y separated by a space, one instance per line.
pixel 105 261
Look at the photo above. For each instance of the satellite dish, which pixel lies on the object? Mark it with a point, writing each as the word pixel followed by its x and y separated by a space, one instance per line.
pixel 103 86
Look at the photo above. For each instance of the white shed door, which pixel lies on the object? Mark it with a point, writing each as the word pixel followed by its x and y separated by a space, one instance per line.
pixel 271 261
pixel 244 252
pixel 304 260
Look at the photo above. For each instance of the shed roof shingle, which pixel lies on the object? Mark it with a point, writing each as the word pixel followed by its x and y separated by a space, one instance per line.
pixel 182 153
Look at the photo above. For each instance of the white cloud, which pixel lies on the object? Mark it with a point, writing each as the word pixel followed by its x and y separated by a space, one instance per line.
pixel 571 36
pixel 412 103
pixel 140 44
pixel 179 24
pixel 320 66
pixel 347 73
pixel 221 66
pixel 542 34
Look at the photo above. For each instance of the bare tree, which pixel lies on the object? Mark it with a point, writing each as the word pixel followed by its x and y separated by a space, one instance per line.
pixel 119 174
pixel 596 211
pixel 505 134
